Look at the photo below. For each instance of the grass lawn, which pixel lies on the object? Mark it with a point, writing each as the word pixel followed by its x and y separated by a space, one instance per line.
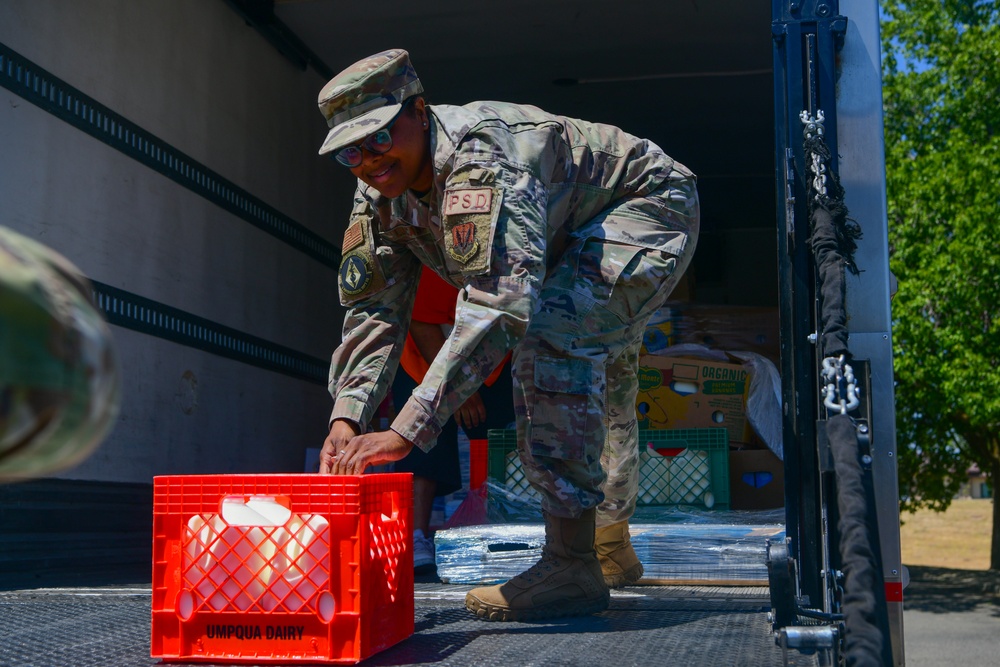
pixel 958 538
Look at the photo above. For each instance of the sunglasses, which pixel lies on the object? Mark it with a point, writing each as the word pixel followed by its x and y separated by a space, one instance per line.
pixel 377 143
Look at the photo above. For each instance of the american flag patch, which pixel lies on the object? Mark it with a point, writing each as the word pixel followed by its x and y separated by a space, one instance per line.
pixel 353 237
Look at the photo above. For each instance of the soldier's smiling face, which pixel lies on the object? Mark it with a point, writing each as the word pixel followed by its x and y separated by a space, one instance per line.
pixel 405 166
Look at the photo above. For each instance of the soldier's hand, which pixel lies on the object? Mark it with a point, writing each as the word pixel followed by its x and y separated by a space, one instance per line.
pixel 341 432
pixel 369 449
pixel 472 412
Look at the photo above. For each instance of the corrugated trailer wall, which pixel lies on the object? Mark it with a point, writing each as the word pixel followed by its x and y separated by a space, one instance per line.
pixel 169 151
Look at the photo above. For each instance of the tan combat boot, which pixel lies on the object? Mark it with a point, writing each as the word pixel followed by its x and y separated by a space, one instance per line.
pixel 567 581
pixel 619 563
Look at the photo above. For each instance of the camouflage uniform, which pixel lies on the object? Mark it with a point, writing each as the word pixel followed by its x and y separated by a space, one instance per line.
pixel 564 237
pixel 59 377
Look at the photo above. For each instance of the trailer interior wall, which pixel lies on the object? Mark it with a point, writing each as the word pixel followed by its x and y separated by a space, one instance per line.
pixel 191 73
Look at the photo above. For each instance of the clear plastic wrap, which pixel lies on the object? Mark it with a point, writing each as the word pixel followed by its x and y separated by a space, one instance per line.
pixel 682 546
pixel 497 531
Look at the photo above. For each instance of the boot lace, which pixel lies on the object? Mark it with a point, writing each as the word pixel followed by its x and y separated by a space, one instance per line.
pixel 540 570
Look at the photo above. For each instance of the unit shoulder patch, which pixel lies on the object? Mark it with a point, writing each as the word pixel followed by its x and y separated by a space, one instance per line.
pixel 356 273
pixel 470 215
pixel 464 244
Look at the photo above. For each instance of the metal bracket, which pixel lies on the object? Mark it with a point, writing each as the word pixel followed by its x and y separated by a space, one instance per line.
pixel 808 640
pixel 816 16
pixel 782 583
pixel 864 444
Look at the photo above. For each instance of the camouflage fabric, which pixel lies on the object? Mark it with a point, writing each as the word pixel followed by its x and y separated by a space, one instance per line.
pixel 564 237
pixel 365 96
pixel 59 377
pixel 576 372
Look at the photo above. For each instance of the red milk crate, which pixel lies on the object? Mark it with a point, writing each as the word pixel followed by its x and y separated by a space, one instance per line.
pixel 281 568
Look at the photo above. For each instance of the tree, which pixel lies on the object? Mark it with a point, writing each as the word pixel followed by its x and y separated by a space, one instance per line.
pixel 941 71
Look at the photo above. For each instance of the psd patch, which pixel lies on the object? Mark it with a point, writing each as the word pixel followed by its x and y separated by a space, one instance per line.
pixel 467 200
pixel 469 217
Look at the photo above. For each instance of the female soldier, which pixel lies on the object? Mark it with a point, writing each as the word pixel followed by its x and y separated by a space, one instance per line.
pixel 564 237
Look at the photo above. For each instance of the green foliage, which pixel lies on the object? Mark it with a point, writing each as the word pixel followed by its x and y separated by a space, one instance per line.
pixel 941 69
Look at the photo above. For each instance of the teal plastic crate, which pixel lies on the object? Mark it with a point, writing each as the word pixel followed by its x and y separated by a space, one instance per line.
pixel 677 467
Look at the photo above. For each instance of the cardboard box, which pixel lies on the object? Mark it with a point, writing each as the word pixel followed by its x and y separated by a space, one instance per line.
pixel 676 393
pixel 756 480
pixel 728 328
pixel 660 333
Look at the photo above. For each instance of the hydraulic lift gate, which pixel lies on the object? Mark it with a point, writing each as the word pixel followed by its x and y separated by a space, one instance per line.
pixel 827 58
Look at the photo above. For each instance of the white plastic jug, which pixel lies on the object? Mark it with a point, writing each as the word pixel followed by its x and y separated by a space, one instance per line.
pixel 255 553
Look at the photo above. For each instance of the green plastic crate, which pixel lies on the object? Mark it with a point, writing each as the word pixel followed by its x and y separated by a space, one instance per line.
pixel 677 467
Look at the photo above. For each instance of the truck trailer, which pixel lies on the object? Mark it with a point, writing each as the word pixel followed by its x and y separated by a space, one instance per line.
pixel 169 150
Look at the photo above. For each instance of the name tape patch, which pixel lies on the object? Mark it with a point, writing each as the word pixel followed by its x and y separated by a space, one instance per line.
pixel 468 200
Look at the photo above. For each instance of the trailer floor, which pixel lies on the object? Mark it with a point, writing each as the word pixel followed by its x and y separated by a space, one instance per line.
pixel 109 626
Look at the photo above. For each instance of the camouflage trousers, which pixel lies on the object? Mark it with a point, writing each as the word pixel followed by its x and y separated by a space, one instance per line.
pixel 575 372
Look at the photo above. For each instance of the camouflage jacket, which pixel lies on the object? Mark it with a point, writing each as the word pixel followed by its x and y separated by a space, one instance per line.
pixel 511 185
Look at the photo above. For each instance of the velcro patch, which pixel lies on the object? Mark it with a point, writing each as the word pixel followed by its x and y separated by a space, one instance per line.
pixel 470 216
pixel 354 236
pixel 463 241
pixel 468 200
pixel 355 273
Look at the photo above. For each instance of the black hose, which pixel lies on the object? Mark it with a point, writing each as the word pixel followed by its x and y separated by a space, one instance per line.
pixel 864 589
pixel 833 241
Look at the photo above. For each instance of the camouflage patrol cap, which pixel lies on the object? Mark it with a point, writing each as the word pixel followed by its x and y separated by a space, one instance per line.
pixel 60 382
pixel 364 97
